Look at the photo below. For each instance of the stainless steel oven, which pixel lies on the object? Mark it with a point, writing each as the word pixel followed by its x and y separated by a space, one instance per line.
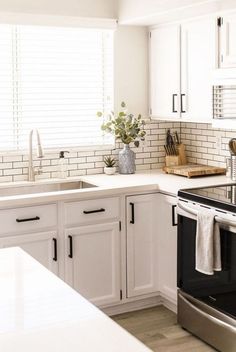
pixel 207 303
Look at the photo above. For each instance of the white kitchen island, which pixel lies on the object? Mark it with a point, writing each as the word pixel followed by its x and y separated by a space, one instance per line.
pixel 40 313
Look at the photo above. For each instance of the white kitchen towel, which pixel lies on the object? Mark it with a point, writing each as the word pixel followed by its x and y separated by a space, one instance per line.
pixel 208 248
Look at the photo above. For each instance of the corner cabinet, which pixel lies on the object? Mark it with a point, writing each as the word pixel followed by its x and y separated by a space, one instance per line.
pixel 198 62
pixel 227 42
pixel 167 244
pixel 182 61
pixel 142 245
pixel 93 262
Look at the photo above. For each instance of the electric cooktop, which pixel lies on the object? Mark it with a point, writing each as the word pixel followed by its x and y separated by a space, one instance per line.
pixel 222 196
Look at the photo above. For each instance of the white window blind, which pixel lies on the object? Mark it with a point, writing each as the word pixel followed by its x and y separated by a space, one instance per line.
pixel 54 79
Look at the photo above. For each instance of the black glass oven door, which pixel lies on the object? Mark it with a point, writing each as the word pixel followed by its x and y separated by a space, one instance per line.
pixel 194 282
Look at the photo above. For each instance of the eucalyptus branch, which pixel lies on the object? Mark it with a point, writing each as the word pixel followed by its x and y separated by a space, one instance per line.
pixel 125 127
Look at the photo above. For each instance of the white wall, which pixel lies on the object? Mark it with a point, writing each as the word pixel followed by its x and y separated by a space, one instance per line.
pixel 81 8
pixel 131 68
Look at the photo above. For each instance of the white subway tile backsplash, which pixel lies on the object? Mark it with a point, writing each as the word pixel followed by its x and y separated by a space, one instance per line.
pixel 77 160
pixel 150 154
pixel 8 172
pixel 92 159
pixel 86 166
pixel 77 173
pixel 6 178
pixel 12 158
pixel 4 166
pixel 95 171
pixel 206 137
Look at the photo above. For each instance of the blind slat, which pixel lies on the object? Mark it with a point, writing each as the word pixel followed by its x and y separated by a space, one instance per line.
pixel 54 79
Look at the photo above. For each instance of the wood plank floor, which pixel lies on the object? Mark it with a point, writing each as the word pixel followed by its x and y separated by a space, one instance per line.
pixel 157 328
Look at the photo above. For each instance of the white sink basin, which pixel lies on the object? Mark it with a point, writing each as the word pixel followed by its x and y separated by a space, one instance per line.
pixel 44 188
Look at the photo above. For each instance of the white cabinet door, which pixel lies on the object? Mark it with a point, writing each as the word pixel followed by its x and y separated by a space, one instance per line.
pixel 198 62
pixel 142 248
pixel 227 41
pixel 167 231
pixel 165 72
pixel 41 246
pixel 93 262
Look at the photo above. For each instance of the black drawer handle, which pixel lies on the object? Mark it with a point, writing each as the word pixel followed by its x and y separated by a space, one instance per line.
pixel 181 103
pixel 55 249
pixel 70 255
pixel 174 216
pixel 28 219
pixel 132 213
pixel 173 102
pixel 94 211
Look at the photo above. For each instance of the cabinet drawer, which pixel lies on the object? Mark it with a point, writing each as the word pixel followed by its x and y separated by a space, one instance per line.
pixel 20 220
pixel 91 211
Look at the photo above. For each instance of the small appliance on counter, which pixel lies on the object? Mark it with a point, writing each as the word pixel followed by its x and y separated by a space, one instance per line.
pixel 207 303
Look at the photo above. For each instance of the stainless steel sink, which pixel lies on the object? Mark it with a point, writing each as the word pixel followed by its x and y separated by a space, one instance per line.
pixel 43 188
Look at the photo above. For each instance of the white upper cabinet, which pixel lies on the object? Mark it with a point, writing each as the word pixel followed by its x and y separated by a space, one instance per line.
pixel 227 41
pixel 198 62
pixel 165 72
pixel 182 62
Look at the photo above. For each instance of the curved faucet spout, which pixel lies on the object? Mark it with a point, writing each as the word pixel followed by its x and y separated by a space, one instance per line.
pixel 32 171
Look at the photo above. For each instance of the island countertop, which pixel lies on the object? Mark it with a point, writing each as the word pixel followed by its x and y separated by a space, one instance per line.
pixel 40 313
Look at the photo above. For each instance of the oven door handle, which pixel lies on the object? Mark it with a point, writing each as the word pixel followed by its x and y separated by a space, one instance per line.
pixel 192 214
pixel 204 314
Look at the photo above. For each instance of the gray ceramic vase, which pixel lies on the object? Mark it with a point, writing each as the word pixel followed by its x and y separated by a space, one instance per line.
pixel 126 160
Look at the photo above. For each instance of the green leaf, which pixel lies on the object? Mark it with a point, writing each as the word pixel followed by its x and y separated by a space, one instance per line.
pixel 124 126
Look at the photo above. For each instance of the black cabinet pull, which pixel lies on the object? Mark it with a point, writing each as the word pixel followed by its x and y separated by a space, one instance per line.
pixel 94 211
pixel 132 213
pixel 28 219
pixel 173 102
pixel 181 103
pixel 70 255
pixel 55 249
pixel 173 216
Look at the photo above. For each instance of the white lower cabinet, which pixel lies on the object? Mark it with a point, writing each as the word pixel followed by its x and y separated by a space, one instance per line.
pixel 93 262
pixel 167 243
pixel 142 245
pixel 93 257
pixel 41 246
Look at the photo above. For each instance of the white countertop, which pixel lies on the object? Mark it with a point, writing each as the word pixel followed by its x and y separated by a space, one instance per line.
pixel 157 179
pixel 145 181
pixel 40 313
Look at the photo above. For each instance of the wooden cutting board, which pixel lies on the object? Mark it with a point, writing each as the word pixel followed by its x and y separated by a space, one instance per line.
pixel 194 170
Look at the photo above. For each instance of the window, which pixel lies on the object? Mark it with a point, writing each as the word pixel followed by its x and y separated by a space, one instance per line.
pixel 54 79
